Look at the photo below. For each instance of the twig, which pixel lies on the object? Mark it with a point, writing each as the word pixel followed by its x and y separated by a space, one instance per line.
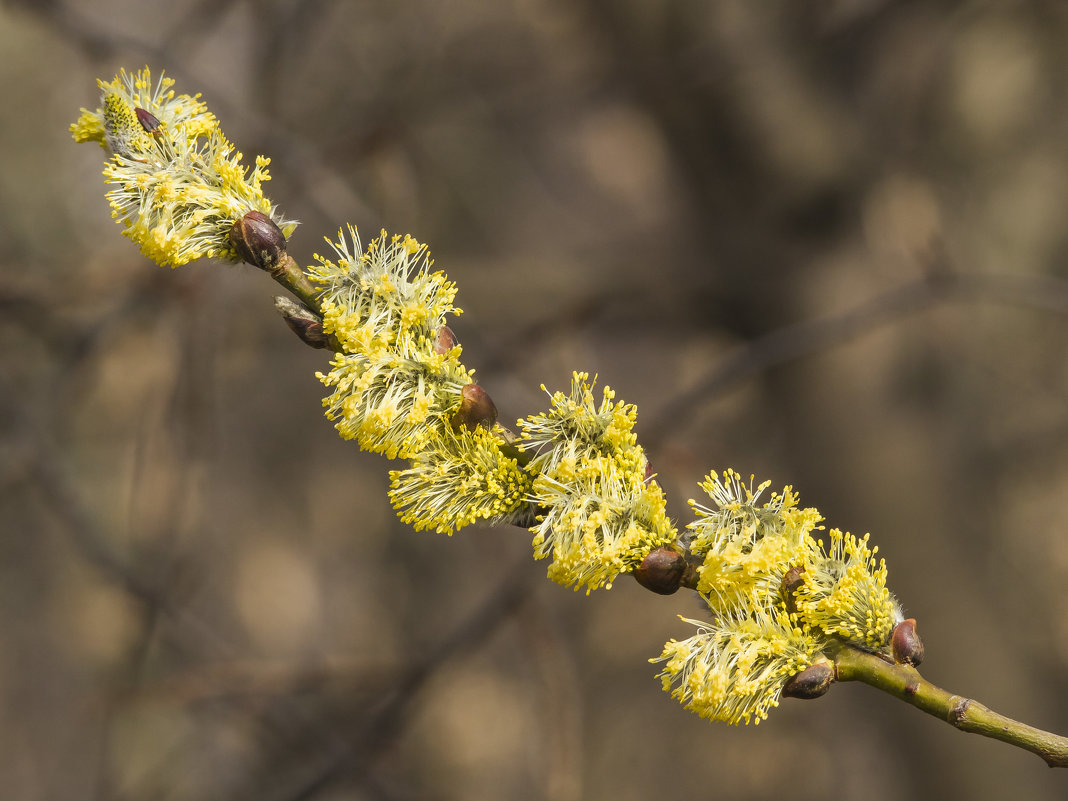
pixel 290 275
pixel 905 683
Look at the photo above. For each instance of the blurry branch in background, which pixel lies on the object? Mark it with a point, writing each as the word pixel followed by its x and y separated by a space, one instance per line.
pixel 789 611
pixel 387 714
pixel 792 342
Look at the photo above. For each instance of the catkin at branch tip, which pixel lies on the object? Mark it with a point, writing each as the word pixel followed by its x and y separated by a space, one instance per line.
pixel 178 185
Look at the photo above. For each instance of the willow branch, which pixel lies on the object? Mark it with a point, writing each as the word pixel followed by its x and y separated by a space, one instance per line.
pixel 666 570
pixel 905 683
pixel 902 681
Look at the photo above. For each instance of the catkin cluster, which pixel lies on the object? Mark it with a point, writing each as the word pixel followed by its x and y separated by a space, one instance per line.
pixel 178 184
pixel 603 512
pixel 779 594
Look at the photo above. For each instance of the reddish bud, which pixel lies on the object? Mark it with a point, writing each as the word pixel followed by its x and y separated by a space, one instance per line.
pixel 661 571
pixel 649 471
pixel 149 121
pixel 906 643
pixel 303 322
pixel 258 240
pixel 446 340
pixel 476 408
pixel 812 682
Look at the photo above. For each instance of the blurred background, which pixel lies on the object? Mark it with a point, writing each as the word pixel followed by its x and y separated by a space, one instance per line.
pixel 820 242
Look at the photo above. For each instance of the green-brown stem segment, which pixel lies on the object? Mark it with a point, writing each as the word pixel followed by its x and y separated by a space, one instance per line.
pixel 289 274
pixel 906 683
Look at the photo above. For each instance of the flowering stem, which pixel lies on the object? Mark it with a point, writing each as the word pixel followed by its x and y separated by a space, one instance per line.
pixel 575 476
pixel 850 664
pixel 906 683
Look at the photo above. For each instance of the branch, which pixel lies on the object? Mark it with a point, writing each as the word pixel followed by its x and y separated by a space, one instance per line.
pixel 666 570
pixel 779 598
pixel 905 683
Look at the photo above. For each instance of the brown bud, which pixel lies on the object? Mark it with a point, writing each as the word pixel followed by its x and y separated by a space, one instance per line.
pixel 649 471
pixel 446 340
pixel 258 240
pixel 661 571
pixel 812 682
pixel 303 322
pixel 906 643
pixel 476 408
pixel 149 121
pixel 792 579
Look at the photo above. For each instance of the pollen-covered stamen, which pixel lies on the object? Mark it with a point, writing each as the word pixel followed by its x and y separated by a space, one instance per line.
pixel 748 547
pixel 602 512
pixel 457 479
pixel 384 306
pixel 119 120
pixel 735 669
pixel 124 134
pixel 177 184
pixel 844 592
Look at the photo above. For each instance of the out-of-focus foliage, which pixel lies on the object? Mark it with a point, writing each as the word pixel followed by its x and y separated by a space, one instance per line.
pixel 205 593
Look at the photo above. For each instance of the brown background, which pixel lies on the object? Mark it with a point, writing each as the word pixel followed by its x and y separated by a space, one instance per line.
pixel 822 242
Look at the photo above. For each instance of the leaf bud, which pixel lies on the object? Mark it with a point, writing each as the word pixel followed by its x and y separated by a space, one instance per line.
pixel 258 240
pixel 149 121
pixel 791 581
pixel 906 643
pixel 812 682
pixel 661 570
pixel 303 322
pixel 446 340
pixel 476 408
